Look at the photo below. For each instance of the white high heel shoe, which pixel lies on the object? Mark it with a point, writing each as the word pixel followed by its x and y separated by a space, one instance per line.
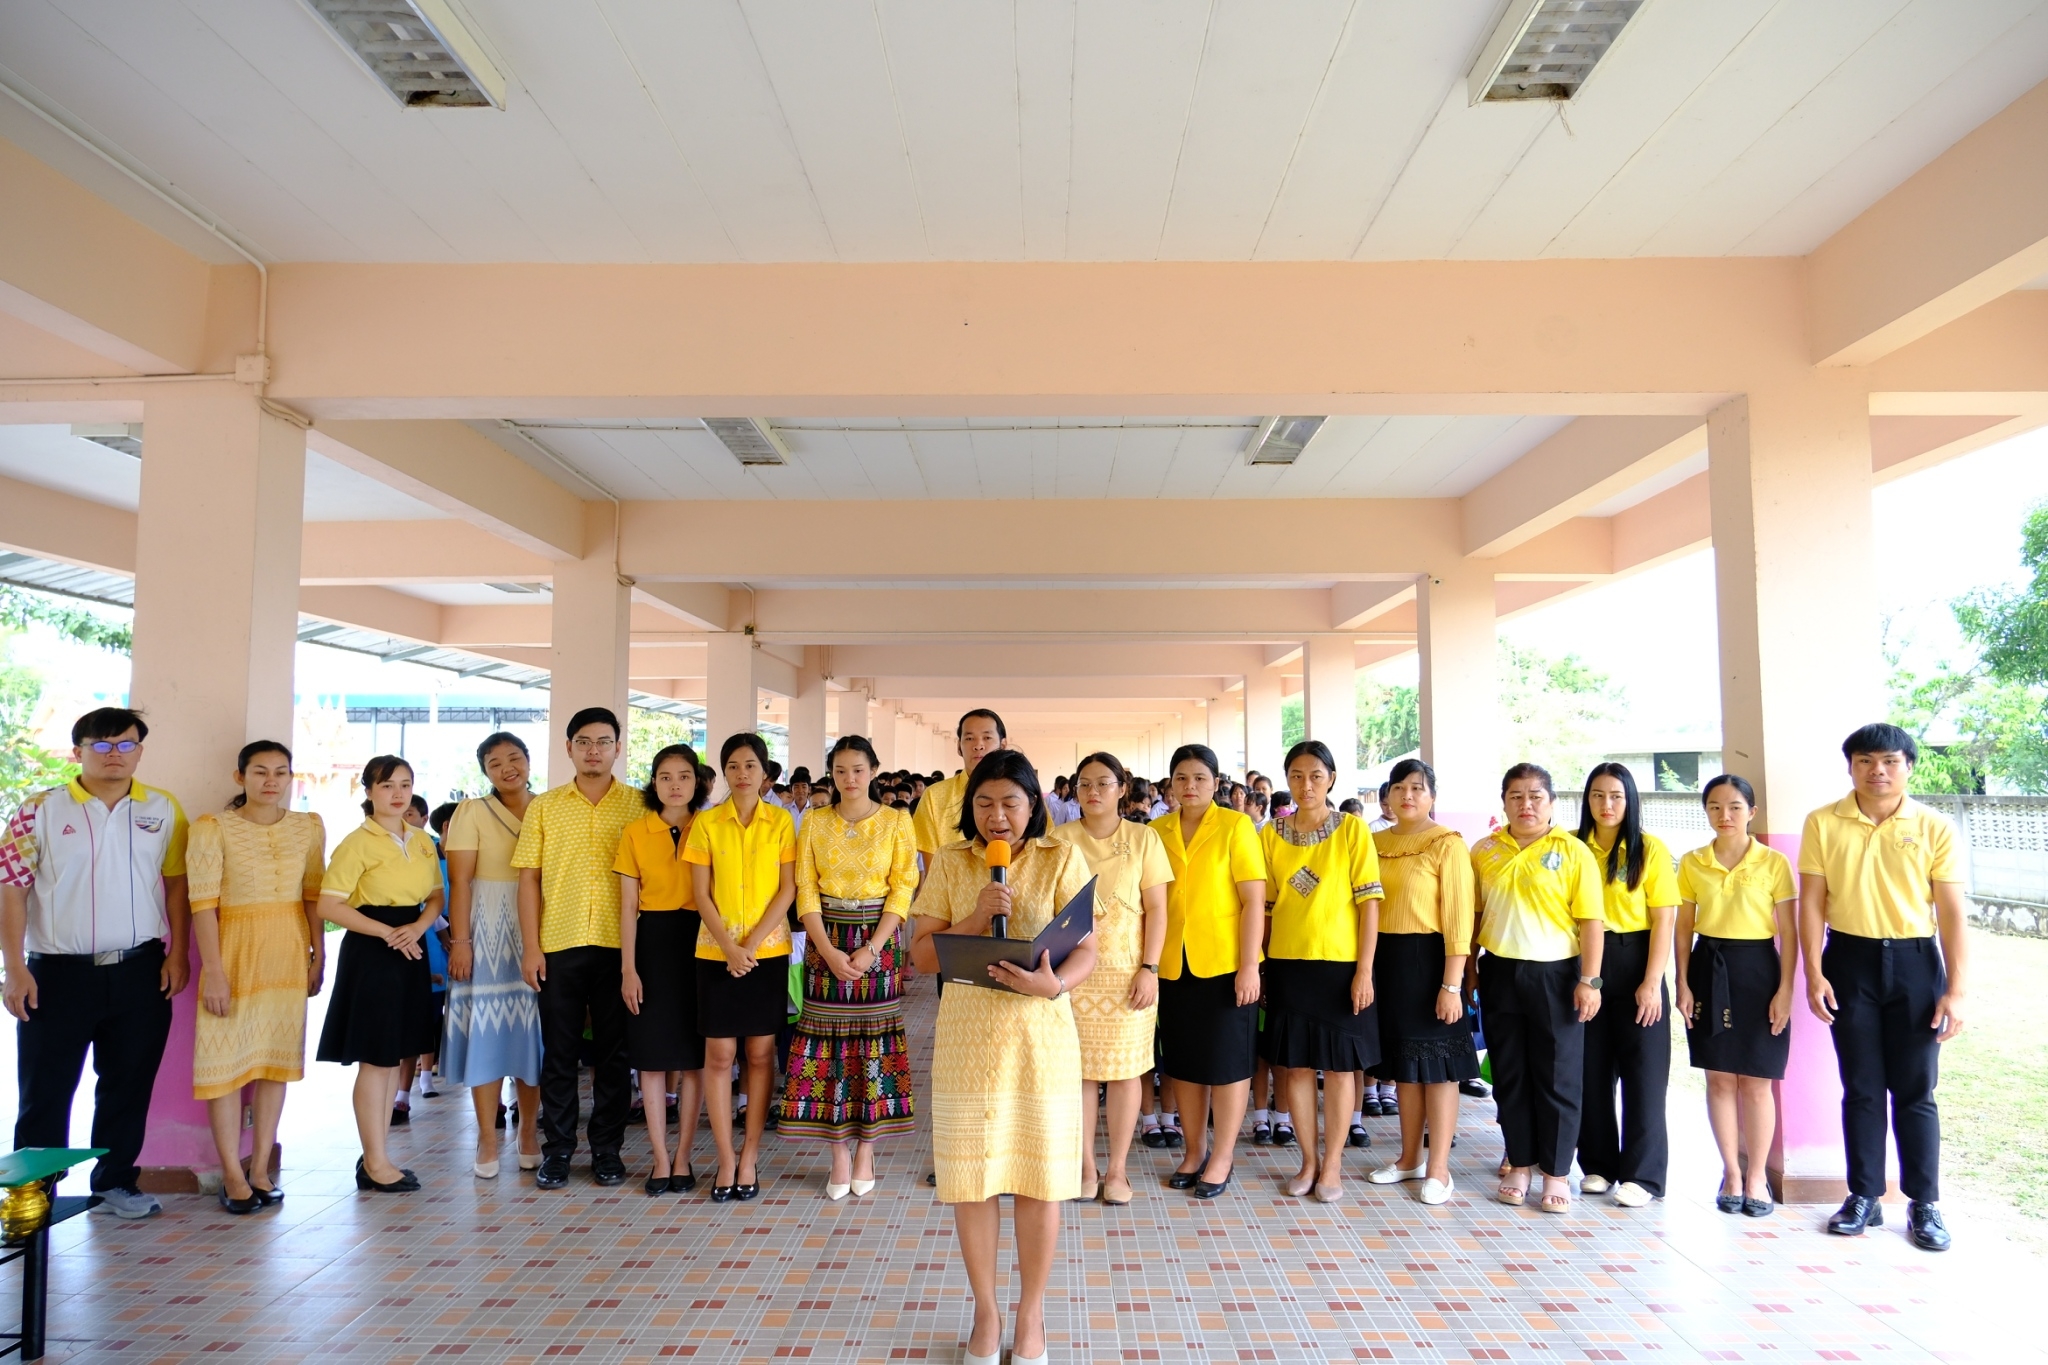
pixel 862 1188
pixel 835 1193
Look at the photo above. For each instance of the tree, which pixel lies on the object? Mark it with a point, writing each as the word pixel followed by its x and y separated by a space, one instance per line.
pixel 1389 721
pixel 1552 708
pixel 21 610
pixel 649 732
pixel 25 766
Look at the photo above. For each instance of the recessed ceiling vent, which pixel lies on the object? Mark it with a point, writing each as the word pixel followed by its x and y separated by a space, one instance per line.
pixel 1545 49
pixel 750 439
pixel 1279 440
pixel 125 437
pixel 418 50
pixel 523 589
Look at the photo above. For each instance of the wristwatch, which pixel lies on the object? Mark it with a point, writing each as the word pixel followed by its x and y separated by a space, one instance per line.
pixel 1152 967
pixel 1592 981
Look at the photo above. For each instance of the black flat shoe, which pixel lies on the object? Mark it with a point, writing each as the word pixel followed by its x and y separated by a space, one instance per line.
pixel 1210 1189
pixel 406 1183
pixel 1357 1137
pixel 240 1206
pixel 499 1121
pixel 1155 1138
pixel 270 1196
pixel 1728 1203
pixel 747 1193
pixel 1175 1139
pixel 400 1115
pixel 1370 1108
pixel 1858 1212
pixel 1262 1135
pixel 1757 1208
pixel 724 1194
pixel 1925 1228
pixel 682 1184
pixel 1389 1108
pixel 657 1185
pixel 1283 1136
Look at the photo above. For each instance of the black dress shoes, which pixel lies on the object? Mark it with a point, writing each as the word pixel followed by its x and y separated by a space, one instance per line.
pixel 272 1195
pixel 406 1183
pixel 553 1173
pixel 240 1206
pixel 1757 1208
pixel 1210 1189
pixel 1184 1180
pixel 607 1169
pixel 1857 1213
pixel 1728 1203
pixel 1924 1226
pixel 684 1183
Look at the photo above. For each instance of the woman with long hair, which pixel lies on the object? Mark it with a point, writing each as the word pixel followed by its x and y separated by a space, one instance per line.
pixel 254 875
pixel 658 928
pixel 383 886
pixel 1737 894
pixel 1006 1064
pixel 1323 893
pixel 1629 1041
pixel 742 854
pixel 849 1064
pixel 1540 911
pixel 493 1028
pixel 1426 1045
pixel 1116 1009
pixel 1209 983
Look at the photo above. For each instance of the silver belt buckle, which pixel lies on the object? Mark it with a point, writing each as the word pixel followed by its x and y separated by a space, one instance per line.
pixel 109 958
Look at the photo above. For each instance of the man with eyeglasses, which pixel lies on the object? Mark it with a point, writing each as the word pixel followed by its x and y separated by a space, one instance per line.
pixel 569 925
pixel 92 881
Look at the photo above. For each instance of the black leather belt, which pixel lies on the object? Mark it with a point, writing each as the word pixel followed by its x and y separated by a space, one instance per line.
pixel 106 959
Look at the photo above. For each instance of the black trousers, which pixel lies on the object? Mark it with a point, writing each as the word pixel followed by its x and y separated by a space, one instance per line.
pixel 1538 1049
pixel 120 1013
pixel 1619 1050
pixel 1885 989
pixel 582 983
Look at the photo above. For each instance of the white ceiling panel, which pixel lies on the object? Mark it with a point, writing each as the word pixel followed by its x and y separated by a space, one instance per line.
pixel 1045 125
pixel 337 493
pixel 1135 69
pixel 1460 164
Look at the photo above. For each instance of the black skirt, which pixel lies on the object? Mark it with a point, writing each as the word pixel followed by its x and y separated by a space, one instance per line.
pixel 1416 1047
pixel 1732 982
pixel 750 1006
pixel 1205 1036
pixel 382 1008
pixel 663 1036
pixel 1309 1022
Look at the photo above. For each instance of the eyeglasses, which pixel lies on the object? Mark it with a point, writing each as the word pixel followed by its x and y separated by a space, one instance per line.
pixel 586 742
pixel 114 746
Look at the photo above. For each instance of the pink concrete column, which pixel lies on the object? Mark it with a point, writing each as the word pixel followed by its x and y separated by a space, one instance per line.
pixel 1459 692
pixel 1330 684
pixel 1789 476
pixel 807 724
pixel 732 701
pixel 591 643
pixel 1262 749
pixel 216 624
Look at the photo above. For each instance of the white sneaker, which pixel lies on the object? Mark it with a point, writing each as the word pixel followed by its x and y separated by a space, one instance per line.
pixel 1436 1191
pixel 130 1204
pixel 1393 1173
pixel 1594 1184
pixel 1630 1195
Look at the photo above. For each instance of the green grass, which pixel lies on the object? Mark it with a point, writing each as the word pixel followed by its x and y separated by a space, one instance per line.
pixel 1994 1089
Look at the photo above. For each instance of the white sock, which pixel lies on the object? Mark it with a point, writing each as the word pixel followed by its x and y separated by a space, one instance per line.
pixel 1262 1118
pixel 1358 1118
pixel 1151 1123
pixel 1170 1119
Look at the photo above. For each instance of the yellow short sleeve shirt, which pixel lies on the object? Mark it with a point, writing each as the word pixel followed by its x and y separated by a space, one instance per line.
pixel 1531 899
pixel 1739 901
pixel 369 867
pixel 651 854
pixel 1313 889
pixel 1627 908
pixel 1880 877
pixel 746 864
pixel 573 841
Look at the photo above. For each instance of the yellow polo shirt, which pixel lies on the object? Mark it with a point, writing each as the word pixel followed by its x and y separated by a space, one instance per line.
pixel 1627 910
pixel 1739 901
pixel 650 853
pixel 1531 899
pixel 1313 890
pixel 936 821
pixel 573 842
pixel 1203 912
pixel 746 864
pixel 369 868
pixel 1880 877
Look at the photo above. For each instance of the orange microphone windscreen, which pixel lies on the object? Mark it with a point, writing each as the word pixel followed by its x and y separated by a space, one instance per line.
pixel 999 853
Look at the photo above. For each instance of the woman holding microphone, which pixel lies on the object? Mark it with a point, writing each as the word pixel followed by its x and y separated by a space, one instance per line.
pixel 1006 1064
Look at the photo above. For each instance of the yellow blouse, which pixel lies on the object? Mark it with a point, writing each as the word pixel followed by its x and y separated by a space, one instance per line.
pixel 1203 912
pixel 1733 902
pixel 746 868
pixel 1313 889
pixel 856 860
pixel 937 821
pixel 1044 875
pixel 232 861
pixel 1428 877
pixel 1626 910
pixel 650 853
pixel 482 825
pixel 1126 865
pixel 369 868
pixel 1532 898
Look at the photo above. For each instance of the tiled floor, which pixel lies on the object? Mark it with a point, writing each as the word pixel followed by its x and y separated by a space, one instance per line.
pixel 497 1271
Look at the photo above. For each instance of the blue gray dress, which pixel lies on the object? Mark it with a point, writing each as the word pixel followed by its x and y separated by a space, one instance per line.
pixel 493 1026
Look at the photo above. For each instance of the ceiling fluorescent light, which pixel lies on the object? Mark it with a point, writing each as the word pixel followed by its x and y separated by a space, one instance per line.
pixel 1279 440
pixel 125 437
pixel 750 439
pixel 418 50
pixel 1545 49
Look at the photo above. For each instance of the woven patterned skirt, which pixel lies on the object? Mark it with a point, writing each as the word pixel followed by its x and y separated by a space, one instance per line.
pixel 849 1063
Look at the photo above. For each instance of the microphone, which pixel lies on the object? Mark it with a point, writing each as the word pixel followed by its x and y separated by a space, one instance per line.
pixel 998 857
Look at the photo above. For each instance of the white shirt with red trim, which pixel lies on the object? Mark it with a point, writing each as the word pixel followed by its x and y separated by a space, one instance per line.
pixel 94 875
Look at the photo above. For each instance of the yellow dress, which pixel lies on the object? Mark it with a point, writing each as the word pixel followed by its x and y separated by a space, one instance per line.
pixel 1116 1040
pixel 1006 1069
pixel 257 878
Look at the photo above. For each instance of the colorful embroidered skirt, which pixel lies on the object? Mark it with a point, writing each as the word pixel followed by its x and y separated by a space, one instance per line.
pixel 849 1064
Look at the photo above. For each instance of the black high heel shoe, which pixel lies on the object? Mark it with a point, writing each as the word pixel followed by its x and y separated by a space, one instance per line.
pixel 1187 1180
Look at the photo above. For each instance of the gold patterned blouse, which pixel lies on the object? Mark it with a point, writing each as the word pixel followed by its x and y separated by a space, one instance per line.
pixel 1428 877
pixel 233 861
pixel 856 860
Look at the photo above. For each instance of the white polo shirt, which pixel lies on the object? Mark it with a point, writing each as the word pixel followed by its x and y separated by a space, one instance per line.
pixel 94 876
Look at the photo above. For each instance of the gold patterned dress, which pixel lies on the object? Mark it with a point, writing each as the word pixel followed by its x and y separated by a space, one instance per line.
pixel 1116 1040
pixel 257 878
pixel 1006 1068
